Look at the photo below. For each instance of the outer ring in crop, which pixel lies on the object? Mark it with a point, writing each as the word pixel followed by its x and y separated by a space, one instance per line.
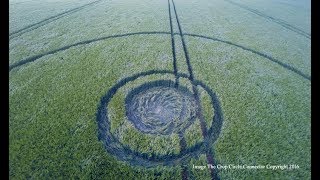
pixel 124 153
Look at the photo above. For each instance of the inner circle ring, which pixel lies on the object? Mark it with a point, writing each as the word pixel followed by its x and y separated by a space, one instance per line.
pixel 124 153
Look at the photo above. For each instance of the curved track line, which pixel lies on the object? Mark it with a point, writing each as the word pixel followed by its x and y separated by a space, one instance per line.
pixel 47 20
pixel 286 66
pixel 34 58
pixel 275 20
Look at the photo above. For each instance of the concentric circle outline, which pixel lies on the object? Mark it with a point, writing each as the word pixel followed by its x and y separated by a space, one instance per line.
pixel 124 153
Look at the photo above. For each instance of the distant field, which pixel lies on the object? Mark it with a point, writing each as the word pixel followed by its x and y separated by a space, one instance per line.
pixel 149 89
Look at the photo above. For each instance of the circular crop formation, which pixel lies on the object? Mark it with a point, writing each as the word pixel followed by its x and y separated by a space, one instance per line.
pixel 159 108
pixel 155 109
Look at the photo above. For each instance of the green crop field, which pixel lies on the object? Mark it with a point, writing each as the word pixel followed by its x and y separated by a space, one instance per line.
pixel 159 89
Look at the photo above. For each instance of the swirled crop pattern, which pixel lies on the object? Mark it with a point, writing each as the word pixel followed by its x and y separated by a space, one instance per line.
pixel 161 110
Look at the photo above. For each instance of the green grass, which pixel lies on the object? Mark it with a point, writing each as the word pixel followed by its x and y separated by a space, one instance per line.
pixel 53 101
pixel 193 134
pixel 267 117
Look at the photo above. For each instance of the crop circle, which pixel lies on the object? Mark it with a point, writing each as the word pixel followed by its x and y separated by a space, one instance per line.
pixel 124 153
pixel 159 108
